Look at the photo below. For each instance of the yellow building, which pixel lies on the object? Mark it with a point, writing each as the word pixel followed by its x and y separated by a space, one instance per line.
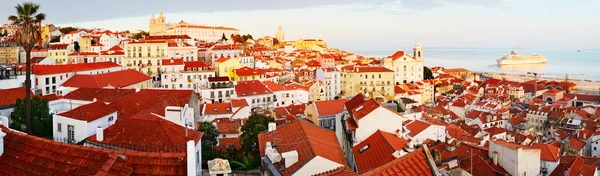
pixel 266 41
pixel 85 43
pixel 9 52
pixel 303 44
pixel 145 56
pixel 373 81
pixel 246 73
pixel 60 52
pixel 47 32
pixel 223 65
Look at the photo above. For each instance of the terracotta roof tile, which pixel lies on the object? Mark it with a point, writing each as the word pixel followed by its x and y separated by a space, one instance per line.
pixel 199 65
pixel 330 107
pixel 101 95
pixel 377 150
pixel 340 171
pixel 9 97
pixel 249 88
pixel 217 108
pixel 414 163
pixel 174 61
pixel 548 151
pixel 118 79
pixel 89 112
pixel 226 143
pixel 132 133
pixel 416 127
pixel 307 139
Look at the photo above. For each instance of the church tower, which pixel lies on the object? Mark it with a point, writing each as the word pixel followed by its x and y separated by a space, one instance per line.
pixel 280 35
pixel 418 51
pixel 158 25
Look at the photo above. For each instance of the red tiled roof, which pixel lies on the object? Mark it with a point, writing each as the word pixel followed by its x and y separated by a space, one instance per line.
pixel 340 171
pixel 399 90
pixel 55 69
pixel 89 112
pixel 151 100
pixel 364 109
pixel 377 150
pixel 273 86
pixel 307 139
pixel 9 96
pixel 548 151
pixel 223 59
pixel 417 127
pixel 374 69
pixel 174 61
pixel 330 107
pixel 577 144
pixel 116 79
pixel 29 155
pixel 217 108
pixel 249 88
pixel 354 102
pixel 459 104
pixel 246 71
pixel 115 48
pixel 397 55
pixel 101 95
pixel 132 133
pixel 200 65
pixel 239 102
pixel 413 164
pixel 58 46
pixel 227 126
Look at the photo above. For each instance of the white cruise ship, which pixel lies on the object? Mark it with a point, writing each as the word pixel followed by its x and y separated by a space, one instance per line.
pixel 513 58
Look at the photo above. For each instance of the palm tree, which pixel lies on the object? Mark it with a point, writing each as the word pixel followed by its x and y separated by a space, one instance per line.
pixel 28 34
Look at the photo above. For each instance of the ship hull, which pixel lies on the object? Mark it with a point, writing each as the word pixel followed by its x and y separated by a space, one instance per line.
pixel 514 59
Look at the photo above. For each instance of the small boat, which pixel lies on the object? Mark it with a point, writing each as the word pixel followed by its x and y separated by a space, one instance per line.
pixel 579 50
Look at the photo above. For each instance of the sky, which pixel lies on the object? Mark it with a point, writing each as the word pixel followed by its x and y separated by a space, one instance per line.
pixel 357 24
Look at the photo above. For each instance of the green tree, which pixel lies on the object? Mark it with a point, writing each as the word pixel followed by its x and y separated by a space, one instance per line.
pixel 67 30
pixel 256 123
pixel 76 47
pixel 427 74
pixel 94 42
pixel 40 115
pixel 28 34
pixel 209 139
pixel 138 36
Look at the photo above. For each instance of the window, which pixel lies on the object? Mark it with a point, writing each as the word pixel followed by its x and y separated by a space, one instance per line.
pixel 59 129
pixel 111 118
pixel 47 81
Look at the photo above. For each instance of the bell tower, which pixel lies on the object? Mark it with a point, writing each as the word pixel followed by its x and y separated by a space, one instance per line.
pixel 418 51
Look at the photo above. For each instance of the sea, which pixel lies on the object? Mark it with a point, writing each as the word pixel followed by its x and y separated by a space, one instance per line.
pixel 584 64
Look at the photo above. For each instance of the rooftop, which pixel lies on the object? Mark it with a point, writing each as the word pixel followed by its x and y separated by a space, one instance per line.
pixel 117 79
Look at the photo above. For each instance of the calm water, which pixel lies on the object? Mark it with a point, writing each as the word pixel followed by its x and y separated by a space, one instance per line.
pixel 560 61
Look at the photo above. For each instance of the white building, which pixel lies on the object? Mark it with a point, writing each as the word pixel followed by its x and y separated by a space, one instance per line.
pixel 177 74
pixel 255 93
pixel 367 117
pixel 550 157
pixel 158 26
pixel 49 77
pixel 79 123
pixel 110 40
pixel 183 50
pixel 406 68
pixel 224 51
pixel 514 158
pixel 72 37
pixel 247 61
pixel 419 131
pixel 217 90
pixel 332 81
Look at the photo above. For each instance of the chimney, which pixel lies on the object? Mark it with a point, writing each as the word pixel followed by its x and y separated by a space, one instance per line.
pixel 495 158
pixel 290 157
pixel 99 134
pixel 192 161
pixel 94 100
pixel 2 134
pixel 272 126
